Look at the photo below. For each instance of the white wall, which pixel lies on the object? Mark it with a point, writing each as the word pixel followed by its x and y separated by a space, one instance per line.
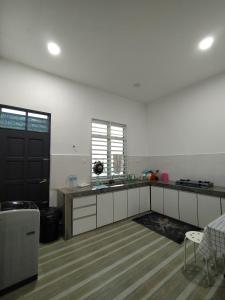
pixel 182 134
pixel 72 106
pixel 187 132
pixel 189 122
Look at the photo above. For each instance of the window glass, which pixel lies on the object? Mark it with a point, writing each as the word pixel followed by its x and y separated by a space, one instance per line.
pixel 37 122
pixel 12 119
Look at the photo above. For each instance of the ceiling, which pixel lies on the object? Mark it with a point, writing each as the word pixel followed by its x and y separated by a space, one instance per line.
pixel 113 44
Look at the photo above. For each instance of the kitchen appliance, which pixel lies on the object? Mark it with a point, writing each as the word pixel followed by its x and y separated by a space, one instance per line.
pixel 194 183
pixel 19 239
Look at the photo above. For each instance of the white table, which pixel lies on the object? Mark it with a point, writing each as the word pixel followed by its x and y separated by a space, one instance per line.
pixel 213 242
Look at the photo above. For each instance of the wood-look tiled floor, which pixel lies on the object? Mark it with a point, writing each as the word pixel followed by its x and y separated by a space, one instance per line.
pixel 120 261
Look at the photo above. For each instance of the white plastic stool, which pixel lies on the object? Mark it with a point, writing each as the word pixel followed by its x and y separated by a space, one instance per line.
pixel 195 237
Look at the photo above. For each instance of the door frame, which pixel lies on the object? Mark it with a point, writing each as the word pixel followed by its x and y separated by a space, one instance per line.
pixel 26 110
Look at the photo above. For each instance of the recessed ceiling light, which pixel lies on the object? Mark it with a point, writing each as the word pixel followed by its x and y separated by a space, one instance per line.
pixel 53 48
pixel 206 43
pixel 137 84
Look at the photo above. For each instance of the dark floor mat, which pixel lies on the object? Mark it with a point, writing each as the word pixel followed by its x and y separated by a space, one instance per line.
pixel 172 229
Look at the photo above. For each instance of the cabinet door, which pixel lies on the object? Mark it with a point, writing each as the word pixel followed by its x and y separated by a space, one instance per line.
pixel 104 209
pixel 208 209
pixel 144 199
pixel 157 199
pixel 133 202
pixel 223 205
pixel 171 203
pixel 120 205
pixel 188 208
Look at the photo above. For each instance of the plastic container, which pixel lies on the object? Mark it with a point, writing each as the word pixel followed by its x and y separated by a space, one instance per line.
pixel 165 177
pixel 72 181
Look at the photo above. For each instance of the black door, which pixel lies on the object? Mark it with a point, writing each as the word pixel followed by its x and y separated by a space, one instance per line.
pixel 25 165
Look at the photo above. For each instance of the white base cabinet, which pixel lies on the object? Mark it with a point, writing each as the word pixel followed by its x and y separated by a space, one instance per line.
pixel 84 214
pixel 95 211
pixel 144 199
pixel 120 205
pixel 223 205
pixel 171 208
pixel 157 199
pixel 133 202
pixel 208 209
pixel 188 207
pixel 104 209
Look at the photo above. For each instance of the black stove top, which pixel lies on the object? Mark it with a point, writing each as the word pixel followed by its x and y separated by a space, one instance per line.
pixel 195 183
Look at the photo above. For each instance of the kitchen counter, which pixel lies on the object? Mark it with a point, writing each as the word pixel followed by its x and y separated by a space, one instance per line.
pixel 92 190
pixel 66 195
pixel 216 191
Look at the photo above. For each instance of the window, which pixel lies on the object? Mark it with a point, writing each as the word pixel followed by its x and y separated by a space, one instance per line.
pixel 12 118
pixel 108 145
pixel 37 122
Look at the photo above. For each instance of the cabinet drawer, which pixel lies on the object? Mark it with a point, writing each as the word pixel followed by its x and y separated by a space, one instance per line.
pixel 83 225
pixel 84 201
pixel 84 211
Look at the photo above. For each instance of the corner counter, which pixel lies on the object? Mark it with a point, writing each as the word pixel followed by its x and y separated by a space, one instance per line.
pixel 66 196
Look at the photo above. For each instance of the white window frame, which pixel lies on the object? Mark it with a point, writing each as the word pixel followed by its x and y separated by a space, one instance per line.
pixel 124 138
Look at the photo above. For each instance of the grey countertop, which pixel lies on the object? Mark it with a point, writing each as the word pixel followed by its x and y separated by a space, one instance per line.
pixel 92 190
pixel 216 191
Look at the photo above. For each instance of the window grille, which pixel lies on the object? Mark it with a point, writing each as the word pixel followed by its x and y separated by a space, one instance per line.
pixel 108 145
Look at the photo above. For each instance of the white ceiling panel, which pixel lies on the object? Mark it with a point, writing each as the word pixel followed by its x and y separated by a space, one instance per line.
pixel 113 44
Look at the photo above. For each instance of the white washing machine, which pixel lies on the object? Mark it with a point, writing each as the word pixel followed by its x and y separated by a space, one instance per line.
pixel 19 243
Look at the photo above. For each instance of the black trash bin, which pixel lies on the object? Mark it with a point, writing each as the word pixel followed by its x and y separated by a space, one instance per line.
pixel 49 224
